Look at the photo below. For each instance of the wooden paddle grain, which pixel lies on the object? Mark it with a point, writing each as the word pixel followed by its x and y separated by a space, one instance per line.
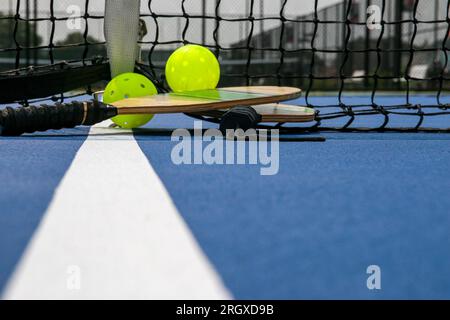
pixel 166 103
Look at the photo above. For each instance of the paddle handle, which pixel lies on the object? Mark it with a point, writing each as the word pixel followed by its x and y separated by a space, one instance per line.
pixel 17 121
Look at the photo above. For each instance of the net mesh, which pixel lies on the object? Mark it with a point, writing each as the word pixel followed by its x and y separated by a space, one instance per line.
pixel 357 52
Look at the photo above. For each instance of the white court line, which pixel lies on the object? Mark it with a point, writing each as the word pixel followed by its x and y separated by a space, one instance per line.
pixel 112 230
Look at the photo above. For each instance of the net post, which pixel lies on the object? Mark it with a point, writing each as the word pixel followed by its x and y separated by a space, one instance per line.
pixel 398 40
pixel 436 26
pixel 367 48
pixel 27 33
pixel 35 33
pixel 344 15
pixel 203 22
pixel 261 42
pixel 217 27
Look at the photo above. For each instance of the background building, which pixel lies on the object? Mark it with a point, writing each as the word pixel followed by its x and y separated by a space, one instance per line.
pixel 271 42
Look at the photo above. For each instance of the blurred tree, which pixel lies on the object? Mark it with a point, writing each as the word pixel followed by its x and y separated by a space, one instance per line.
pixel 7 33
pixel 73 46
pixel 76 38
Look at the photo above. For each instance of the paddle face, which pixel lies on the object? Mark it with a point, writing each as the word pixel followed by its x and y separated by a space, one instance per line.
pixel 206 100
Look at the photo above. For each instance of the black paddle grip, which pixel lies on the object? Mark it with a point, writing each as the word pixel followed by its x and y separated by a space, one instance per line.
pixel 16 121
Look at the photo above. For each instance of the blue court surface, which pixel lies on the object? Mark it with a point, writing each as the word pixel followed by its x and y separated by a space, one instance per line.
pixel 107 214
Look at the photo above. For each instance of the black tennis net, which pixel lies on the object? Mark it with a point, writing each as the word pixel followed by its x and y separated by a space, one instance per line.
pixel 355 51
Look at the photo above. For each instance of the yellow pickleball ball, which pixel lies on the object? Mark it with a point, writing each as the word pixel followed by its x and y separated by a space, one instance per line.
pixel 192 67
pixel 129 85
